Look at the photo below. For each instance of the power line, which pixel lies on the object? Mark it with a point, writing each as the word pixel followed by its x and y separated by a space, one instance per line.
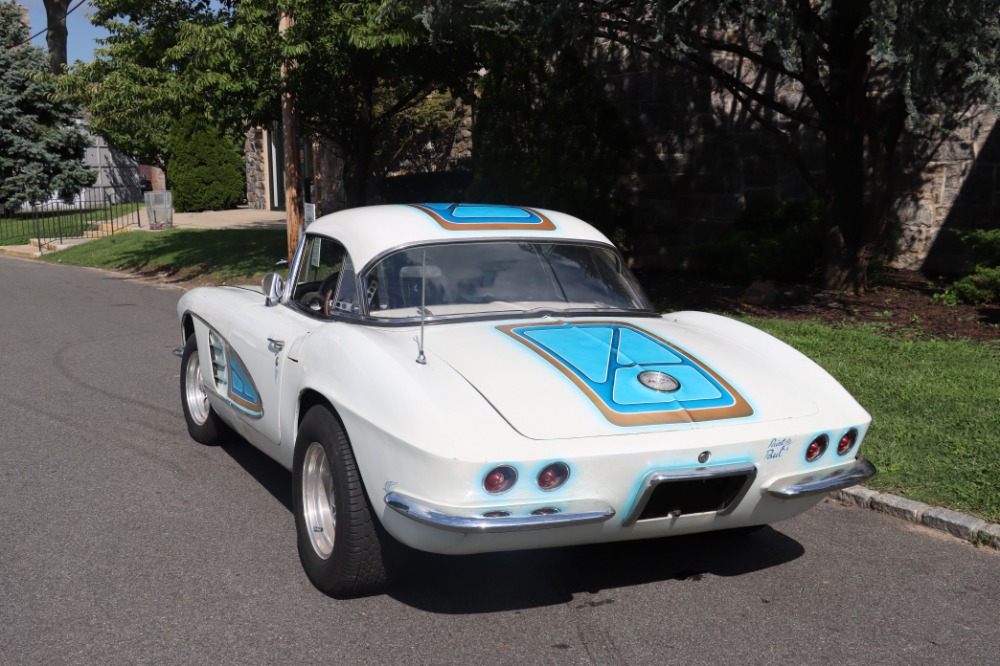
pixel 46 28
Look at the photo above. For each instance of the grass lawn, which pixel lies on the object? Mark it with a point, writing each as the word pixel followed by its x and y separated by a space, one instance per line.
pixel 935 407
pixel 935 404
pixel 21 228
pixel 218 256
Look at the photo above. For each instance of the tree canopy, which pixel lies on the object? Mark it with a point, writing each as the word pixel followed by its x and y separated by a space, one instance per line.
pixel 359 64
pixel 41 147
pixel 855 74
pixel 137 84
pixel 864 71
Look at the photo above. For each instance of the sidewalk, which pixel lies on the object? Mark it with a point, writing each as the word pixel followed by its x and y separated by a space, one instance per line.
pixel 238 218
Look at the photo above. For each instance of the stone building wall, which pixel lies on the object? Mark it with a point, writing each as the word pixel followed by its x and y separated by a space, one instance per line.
pixel 323 169
pixel 254 148
pixel 701 158
pixel 461 145
pixel 956 187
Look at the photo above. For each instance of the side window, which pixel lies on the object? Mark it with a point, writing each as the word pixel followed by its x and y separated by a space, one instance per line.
pixel 325 283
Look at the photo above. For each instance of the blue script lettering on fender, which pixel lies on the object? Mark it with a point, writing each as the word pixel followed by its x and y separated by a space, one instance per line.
pixel 777 447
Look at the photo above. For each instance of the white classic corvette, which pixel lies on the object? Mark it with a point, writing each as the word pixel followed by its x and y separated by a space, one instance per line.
pixel 469 378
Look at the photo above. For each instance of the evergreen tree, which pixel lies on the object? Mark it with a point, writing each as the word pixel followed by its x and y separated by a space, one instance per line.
pixel 41 147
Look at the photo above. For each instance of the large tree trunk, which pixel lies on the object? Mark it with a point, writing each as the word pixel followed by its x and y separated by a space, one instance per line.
pixel 885 130
pixel 55 38
pixel 357 170
pixel 845 210
pixel 844 126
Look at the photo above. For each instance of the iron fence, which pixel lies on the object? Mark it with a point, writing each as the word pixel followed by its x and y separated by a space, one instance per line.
pixel 95 212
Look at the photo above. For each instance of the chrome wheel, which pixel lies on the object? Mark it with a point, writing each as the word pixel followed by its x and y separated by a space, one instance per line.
pixel 319 507
pixel 344 550
pixel 195 394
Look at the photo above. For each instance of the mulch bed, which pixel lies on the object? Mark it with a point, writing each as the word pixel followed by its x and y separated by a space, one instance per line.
pixel 902 303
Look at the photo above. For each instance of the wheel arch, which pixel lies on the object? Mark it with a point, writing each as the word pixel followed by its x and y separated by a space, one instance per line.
pixel 310 398
pixel 187 327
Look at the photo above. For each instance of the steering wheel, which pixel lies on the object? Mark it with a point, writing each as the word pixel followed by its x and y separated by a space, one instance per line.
pixel 326 289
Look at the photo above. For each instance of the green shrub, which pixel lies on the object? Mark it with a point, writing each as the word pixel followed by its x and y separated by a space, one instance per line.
pixel 769 241
pixel 982 284
pixel 205 168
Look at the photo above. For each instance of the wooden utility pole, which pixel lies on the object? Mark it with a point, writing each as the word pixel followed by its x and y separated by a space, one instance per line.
pixel 290 125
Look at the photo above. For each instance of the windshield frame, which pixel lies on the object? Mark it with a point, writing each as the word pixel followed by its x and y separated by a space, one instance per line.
pixel 365 316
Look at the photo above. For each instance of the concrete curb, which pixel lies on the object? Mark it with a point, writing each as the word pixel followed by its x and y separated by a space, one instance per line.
pixel 968 528
pixel 20 251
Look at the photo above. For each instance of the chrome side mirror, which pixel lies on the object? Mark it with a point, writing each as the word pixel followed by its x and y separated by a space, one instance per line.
pixel 272 285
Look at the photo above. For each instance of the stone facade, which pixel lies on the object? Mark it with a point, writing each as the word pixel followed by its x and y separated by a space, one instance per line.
pixel 323 171
pixel 701 158
pixel 254 152
pixel 956 186
pixel 461 145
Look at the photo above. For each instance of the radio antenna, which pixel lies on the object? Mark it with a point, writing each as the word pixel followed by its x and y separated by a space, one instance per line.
pixel 421 359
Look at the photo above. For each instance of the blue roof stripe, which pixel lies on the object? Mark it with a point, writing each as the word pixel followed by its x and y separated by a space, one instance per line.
pixel 479 214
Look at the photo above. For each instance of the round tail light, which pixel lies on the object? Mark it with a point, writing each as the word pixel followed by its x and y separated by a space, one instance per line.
pixel 817 448
pixel 553 476
pixel 847 441
pixel 499 479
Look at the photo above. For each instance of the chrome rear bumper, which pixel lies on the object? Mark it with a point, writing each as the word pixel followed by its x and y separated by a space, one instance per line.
pixel 518 518
pixel 515 518
pixel 804 485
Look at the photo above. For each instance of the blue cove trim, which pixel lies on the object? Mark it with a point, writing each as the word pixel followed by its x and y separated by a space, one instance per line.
pixel 465 217
pixel 241 391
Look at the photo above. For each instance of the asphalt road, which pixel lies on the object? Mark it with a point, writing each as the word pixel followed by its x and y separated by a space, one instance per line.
pixel 124 542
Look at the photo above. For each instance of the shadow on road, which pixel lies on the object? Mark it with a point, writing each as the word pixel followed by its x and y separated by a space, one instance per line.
pixel 273 477
pixel 493 582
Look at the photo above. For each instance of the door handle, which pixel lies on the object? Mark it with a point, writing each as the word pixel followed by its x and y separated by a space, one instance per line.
pixel 276 345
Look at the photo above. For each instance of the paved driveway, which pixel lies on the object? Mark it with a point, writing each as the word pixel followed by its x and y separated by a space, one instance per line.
pixel 124 542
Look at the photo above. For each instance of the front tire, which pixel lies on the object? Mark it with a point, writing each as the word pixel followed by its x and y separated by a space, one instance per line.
pixel 203 424
pixel 344 550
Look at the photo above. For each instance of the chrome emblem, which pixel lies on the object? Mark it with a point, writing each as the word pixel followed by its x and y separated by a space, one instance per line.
pixel 659 381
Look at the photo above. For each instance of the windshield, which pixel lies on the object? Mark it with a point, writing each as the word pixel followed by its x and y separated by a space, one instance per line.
pixel 500 277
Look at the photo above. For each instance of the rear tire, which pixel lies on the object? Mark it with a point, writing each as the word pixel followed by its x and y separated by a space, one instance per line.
pixel 203 423
pixel 343 548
